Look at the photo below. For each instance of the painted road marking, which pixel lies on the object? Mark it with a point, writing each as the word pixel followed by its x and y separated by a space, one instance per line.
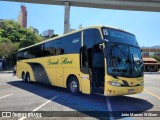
pixel 22 118
pixel 151 94
pixel 109 108
pixel 5 96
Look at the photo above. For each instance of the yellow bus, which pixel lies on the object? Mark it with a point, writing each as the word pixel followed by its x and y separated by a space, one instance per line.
pixel 98 59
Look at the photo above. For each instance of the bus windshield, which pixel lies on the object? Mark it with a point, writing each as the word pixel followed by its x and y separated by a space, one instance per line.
pixel 124 54
pixel 113 35
pixel 124 60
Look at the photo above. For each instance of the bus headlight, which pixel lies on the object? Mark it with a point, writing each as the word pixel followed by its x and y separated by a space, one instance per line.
pixel 114 83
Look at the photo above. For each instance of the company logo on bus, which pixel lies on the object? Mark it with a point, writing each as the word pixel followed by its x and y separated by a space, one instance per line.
pixel 63 60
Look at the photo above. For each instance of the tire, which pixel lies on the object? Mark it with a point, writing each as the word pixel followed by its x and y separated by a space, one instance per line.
pixel 73 85
pixel 28 78
pixel 23 77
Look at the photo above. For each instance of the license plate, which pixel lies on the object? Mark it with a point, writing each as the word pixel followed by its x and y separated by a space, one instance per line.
pixel 131 91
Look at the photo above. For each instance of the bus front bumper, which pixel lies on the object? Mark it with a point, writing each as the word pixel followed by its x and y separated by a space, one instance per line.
pixel 117 91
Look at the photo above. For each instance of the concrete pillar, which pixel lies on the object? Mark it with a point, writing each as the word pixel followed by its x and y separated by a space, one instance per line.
pixel 67 17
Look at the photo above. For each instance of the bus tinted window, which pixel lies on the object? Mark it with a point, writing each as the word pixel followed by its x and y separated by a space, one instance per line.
pixel 55 47
pixel 72 43
pixel 49 49
pixel 91 37
pixel 34 52
pixel 119 36
pixel 29 53
pixel 59 46
pixel 22 55
pixel 19 55
pixel 66 45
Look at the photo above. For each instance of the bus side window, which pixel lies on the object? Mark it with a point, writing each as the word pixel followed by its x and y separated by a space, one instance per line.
pixel 91 37
pixel 59 51
pixel 48 49
pixel 59 46
pixel 52 50
pixel 72 43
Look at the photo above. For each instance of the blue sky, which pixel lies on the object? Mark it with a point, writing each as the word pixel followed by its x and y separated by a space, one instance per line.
pixel 145 25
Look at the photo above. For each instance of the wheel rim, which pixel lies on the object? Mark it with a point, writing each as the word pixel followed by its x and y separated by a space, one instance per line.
pixel 23 77
pixel 28 78
pixel 73 86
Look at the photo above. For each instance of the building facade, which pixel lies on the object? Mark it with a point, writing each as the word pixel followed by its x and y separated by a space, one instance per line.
pixel 149 52
pixel 22 18
pixel 151 64
pixel 47 33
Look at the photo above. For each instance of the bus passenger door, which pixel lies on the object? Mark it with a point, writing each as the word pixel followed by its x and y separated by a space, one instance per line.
pixel 98 69
pixel 84 67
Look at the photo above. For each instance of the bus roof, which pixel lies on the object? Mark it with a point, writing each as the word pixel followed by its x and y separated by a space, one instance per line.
pixel 98 26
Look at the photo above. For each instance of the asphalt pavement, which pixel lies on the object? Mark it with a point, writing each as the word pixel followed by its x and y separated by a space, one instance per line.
pixel 48 102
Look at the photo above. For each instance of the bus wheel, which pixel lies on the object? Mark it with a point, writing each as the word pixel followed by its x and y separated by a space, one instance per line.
pixel 23 77
pixel 73 85
pixel 28 78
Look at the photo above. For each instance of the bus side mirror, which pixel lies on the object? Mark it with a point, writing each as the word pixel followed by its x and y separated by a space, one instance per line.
pixel 101 46
pixel 106 49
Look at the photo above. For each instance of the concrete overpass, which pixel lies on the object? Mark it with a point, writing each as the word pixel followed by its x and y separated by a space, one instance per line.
pixel 138 5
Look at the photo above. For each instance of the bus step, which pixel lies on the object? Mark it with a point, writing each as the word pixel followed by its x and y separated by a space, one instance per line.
pixel 99 94
pixel 99 90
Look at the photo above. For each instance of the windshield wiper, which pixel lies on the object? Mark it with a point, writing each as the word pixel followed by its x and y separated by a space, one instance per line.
pixel 127 57
pixel 127 61
pixel 122 52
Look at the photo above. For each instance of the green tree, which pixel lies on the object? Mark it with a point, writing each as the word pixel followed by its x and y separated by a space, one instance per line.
pixel 14 37
pixel 8 51
pixel 156 57
pixel 29 38
pixel 54 35
pixel 10 30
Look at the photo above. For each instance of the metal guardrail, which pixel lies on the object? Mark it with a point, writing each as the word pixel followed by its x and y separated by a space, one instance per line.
pixel 151 72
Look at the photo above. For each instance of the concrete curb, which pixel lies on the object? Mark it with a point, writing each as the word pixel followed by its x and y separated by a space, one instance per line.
pixel 151 72
pixel 6 72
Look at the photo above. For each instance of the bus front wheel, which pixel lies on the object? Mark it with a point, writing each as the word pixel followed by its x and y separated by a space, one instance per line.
pixel 73 85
